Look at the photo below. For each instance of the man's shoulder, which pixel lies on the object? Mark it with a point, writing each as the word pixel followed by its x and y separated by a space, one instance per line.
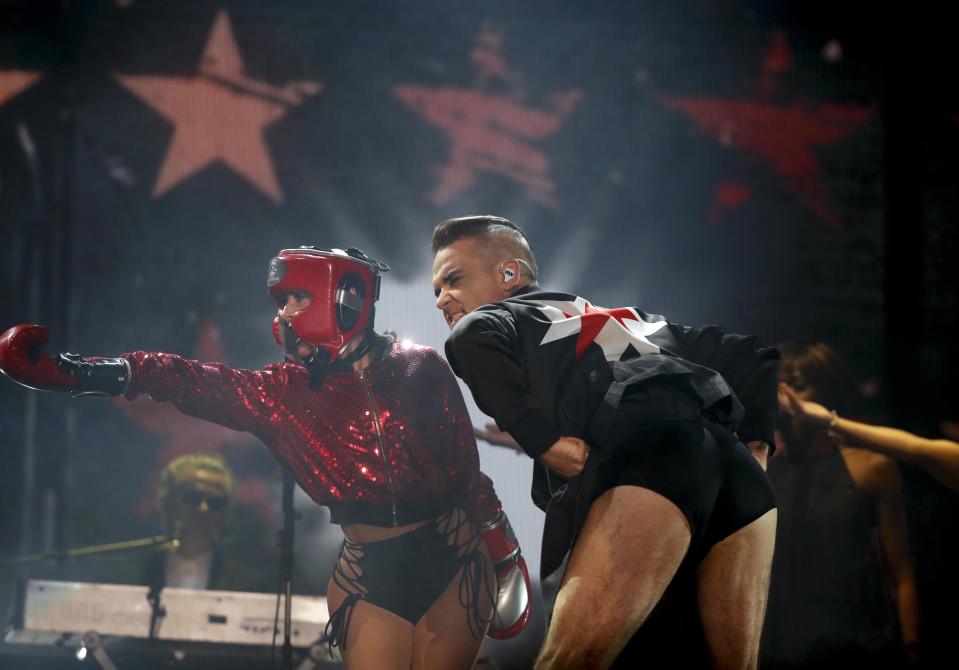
pixel 572 304
pixel 534 295
pixel 481 319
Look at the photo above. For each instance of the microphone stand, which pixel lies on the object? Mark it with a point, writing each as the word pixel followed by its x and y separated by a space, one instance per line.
pixel 286 567
pixel 157 611
pixel 93 550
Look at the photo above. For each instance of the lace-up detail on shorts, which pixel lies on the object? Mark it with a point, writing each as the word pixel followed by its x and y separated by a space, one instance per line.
pixel 405 575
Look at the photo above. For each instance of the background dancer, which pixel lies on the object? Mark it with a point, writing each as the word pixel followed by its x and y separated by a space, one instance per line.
pixel 843 591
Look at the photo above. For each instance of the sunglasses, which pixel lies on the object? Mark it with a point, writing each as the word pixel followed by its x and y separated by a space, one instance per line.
pixel 195 499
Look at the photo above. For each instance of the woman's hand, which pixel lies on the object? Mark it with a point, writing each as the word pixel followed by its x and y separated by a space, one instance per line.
pixel 805 415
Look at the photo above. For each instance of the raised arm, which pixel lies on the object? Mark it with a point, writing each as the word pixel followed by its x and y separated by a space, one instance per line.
pixel 237 399
pixel 939 458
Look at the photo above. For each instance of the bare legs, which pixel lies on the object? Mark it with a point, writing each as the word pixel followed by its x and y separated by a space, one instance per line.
pixel 443 638
pixel 734 579
pixel 630 547
pixel 631 544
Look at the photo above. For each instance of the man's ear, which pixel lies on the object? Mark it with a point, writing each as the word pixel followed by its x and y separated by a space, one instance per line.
pixel 510 271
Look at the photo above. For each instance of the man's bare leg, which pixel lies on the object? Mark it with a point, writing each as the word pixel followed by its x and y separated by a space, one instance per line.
pixel 630 547
pixel 733 586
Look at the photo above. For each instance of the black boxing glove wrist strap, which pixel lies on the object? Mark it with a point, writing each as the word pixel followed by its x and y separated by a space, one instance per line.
pixel 96 376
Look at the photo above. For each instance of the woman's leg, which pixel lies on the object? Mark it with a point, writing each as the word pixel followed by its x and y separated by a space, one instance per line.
pixel 375 638
pixel 449 635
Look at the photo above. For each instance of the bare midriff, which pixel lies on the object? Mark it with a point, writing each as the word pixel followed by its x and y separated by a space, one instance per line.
pixel 361 533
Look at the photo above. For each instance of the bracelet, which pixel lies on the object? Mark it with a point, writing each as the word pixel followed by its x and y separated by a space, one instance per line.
pixel 834 421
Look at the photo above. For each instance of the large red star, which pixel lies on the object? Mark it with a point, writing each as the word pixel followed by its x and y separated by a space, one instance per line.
pixel 781 136
pixel 490 132
pixel 14 81
pixel 219 114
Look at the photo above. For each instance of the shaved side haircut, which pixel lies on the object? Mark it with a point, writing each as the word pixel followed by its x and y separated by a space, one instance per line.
pixel 501 238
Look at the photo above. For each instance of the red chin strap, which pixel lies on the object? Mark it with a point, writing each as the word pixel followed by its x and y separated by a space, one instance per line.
pixel 342 287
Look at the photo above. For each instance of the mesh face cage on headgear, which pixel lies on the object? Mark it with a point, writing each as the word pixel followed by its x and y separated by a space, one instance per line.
pixel 342 286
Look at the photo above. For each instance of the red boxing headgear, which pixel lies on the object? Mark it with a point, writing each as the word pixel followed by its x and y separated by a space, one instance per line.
pixel 342 286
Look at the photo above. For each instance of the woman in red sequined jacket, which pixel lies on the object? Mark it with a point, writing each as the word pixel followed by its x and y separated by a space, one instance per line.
pixel 375 429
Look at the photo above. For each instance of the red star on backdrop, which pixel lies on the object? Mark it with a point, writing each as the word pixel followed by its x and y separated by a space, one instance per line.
pixel 613 330
pixel 14 81
pixel 219 113
pixel 187 435
pixel 784 137
pixel 491 132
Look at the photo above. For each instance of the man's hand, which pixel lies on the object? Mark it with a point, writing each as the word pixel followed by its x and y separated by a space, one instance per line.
pixel 567 456
pixel 497 437
pixel 760 450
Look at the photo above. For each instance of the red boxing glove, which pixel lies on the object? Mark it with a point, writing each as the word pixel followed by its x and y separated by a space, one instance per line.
pixel 512 579
pixel 22 360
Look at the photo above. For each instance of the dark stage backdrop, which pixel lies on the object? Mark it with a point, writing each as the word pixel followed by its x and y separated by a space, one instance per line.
pixel 769 168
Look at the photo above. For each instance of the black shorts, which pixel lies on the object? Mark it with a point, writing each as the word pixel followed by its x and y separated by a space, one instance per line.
pixel 662 442
pixel 406 574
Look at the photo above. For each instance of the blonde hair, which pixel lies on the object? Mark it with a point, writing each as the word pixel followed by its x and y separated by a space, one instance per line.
pixel 175 473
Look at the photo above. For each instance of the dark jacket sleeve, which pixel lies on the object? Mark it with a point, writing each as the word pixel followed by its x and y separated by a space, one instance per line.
pixel 484 351
pixel 750 368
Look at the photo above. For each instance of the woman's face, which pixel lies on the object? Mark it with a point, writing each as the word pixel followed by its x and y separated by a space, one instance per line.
pixel 295 301
pixel 803 389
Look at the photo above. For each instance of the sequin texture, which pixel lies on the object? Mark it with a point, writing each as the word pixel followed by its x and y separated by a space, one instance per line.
pixel 328 437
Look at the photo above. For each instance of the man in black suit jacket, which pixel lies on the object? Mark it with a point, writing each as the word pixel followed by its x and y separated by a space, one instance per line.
pixel 644 434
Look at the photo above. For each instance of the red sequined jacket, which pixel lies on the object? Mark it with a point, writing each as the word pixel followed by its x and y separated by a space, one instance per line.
pixel 389 445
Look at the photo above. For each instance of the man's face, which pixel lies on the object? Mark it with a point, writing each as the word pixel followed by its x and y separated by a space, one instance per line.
pixel 463 280
pixel 199 503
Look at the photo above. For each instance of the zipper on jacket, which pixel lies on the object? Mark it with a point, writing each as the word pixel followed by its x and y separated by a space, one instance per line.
pixel 379 440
